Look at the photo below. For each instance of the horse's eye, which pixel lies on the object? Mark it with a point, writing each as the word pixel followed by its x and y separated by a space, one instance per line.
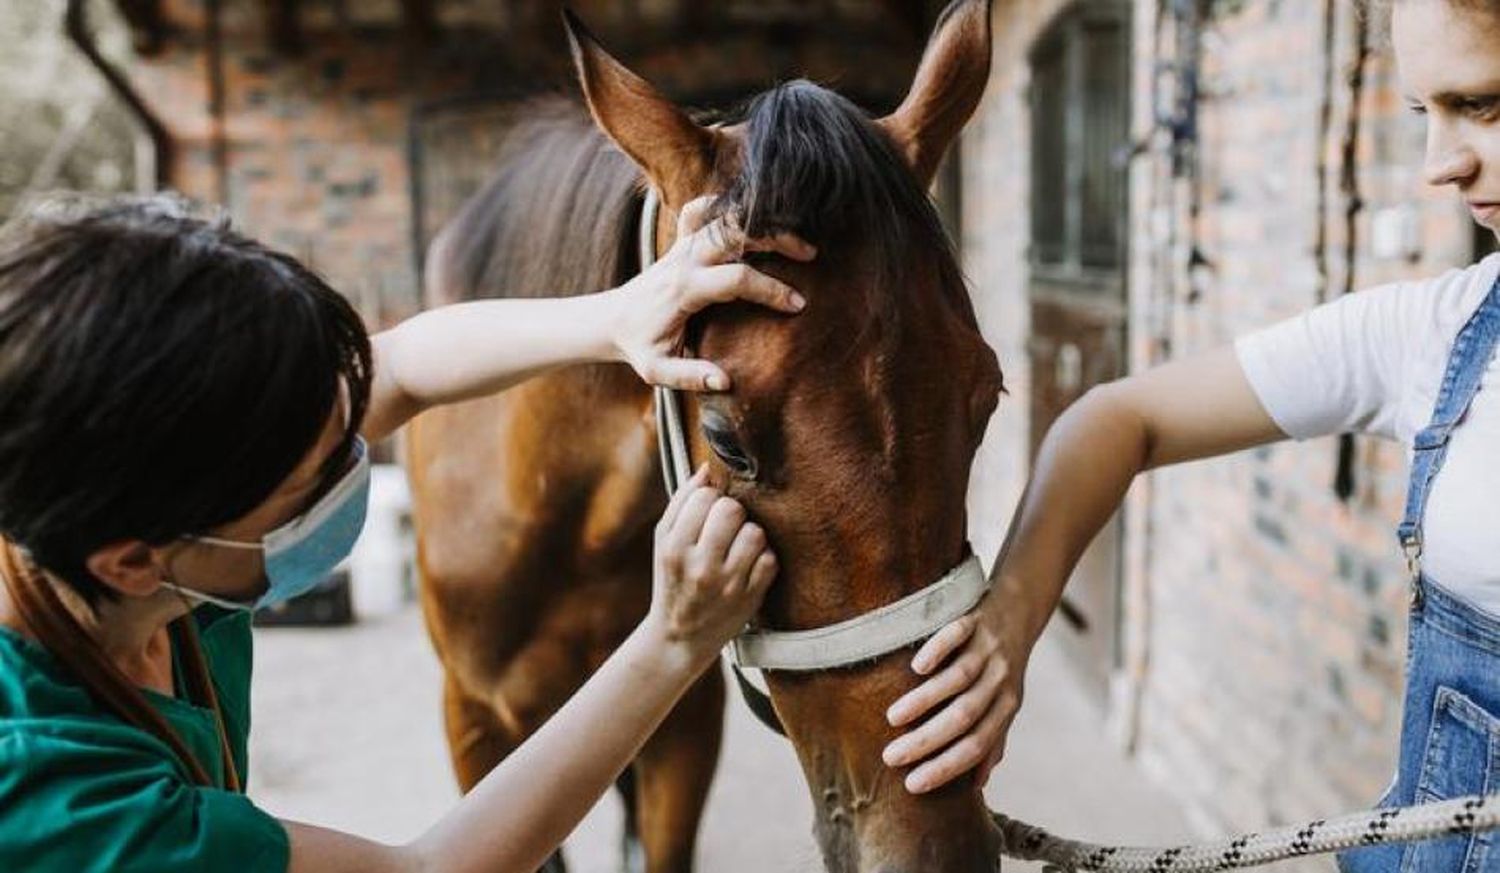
pixel 729 451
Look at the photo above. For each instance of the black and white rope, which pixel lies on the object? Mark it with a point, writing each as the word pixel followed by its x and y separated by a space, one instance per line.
pixel 1408 824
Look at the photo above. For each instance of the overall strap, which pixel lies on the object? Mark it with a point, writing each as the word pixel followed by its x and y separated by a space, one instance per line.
pixel 1472 352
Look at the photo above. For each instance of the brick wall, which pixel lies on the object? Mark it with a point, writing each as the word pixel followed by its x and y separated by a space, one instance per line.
pixel 311 150
pixel 1264 618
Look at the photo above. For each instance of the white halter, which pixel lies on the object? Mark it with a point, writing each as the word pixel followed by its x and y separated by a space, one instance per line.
pixel 876 633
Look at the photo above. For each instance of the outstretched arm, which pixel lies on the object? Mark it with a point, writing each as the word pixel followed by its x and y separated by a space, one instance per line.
pixel 712 570
pixel 1182 411
pixel 468 350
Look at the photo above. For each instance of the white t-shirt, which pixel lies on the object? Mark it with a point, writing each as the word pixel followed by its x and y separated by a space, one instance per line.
pixel 1372 363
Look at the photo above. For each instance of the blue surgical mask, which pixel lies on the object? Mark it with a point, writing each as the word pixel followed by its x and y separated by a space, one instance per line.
pixel 305 550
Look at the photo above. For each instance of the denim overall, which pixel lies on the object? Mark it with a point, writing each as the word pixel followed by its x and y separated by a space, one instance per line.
pixel 1450 728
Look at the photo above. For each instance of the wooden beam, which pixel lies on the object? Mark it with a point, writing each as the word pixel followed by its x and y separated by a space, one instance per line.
pixel 76 26
pixel 148 26
pixel 420 20
pixel 283 27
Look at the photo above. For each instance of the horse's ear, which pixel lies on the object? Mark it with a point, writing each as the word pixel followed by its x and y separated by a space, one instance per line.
pixel 946 91
pixel 674 151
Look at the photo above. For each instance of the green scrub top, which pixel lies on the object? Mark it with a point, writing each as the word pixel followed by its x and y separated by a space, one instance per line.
pixel 82 791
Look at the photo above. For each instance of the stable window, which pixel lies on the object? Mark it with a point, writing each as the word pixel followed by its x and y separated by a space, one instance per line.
pixel 1080 141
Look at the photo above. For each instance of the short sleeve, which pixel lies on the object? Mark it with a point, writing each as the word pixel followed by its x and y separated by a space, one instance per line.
pixel 1338 368
pixel 73 805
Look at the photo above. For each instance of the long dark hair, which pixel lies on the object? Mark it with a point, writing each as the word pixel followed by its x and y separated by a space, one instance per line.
pixel 160 375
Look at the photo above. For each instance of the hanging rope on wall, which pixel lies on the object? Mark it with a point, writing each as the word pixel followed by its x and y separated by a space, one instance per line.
pixel 1344 480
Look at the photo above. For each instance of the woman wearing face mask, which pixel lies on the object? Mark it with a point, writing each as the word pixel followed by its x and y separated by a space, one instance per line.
pixel 1413 361
pixel 183 422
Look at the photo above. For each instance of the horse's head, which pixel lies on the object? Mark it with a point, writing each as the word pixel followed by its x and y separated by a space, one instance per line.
pixel 851 427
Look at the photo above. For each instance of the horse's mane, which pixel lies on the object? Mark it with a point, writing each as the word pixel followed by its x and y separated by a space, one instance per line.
pixel 556 219
pixel 816 165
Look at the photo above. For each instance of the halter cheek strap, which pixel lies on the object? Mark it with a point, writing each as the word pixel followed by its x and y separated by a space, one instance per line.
pixel 671 439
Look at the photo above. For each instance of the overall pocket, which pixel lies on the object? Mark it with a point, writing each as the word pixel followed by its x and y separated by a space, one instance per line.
pixel 1460 759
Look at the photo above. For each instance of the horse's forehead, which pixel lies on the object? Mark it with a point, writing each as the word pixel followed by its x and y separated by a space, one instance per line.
pixel 836 347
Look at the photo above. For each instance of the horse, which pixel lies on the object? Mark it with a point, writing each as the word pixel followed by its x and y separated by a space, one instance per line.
pixel 848 434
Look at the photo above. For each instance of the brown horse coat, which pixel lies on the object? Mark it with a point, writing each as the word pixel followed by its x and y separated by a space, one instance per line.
pixel 848 435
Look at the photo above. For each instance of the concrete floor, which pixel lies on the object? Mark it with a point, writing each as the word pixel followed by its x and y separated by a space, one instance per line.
pixel 348 735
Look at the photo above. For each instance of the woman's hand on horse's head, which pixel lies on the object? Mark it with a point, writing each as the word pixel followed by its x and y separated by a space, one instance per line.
pixel 712 569
pixel 702 268
pixel 972 689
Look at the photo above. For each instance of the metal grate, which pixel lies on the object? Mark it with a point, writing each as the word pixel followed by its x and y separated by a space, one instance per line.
pixel 1049 174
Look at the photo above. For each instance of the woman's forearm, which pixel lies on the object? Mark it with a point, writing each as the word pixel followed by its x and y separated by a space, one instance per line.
pixel 1195 408
pixel 518 814
pixel 514 818
pixel 1085 465
pixel 958 717
pixel 472 349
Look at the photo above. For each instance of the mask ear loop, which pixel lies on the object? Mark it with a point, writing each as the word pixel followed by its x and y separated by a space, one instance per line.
pixel 199 681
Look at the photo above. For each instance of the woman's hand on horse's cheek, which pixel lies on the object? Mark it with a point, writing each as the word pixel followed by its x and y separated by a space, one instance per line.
pixel 957 678
pixel 953 724
pixel 962 756
pixel 937 649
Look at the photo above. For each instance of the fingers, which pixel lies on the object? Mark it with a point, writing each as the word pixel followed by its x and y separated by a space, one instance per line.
pixel 763 573
pixel 943 643
pixel 687 374
pixel 950 723
pixel 721 242
pixel 964 755
pixel 693 216
pixel 957 678
pixel 786 244
pixel 709 243
pixel 726 282
pixel 725 518
pixel 749 544
pixel 680 496
pixel 684 530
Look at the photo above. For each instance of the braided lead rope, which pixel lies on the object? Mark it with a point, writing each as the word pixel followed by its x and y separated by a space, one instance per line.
pixel 1407 824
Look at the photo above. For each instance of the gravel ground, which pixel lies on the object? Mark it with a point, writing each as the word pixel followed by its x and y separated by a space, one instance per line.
pixel 348 735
